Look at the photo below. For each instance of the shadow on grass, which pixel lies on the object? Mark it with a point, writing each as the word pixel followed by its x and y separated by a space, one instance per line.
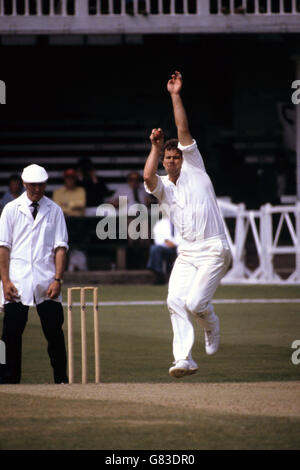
pixel 55 423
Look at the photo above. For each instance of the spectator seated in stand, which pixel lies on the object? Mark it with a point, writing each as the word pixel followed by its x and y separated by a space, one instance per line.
pixel 96 190
pixel 164 250
pixel 15 189
pixel 72 199
pixel 135 191
pixel 137 250
pixel 77 261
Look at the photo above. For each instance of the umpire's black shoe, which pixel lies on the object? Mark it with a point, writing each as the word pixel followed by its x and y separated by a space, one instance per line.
pixel 3 381
pixel 9 380
pixel 61 380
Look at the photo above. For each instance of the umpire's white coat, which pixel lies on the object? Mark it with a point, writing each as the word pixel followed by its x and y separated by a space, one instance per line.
pixel 32 244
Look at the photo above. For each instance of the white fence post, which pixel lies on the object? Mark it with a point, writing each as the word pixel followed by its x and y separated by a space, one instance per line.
pixel 266 236
pixel 81 8
pixel 295 276
pixel 266 243
pixel 297 215
pixel 203 7
pixel 39 8
pixel 240 239
pixel 238 270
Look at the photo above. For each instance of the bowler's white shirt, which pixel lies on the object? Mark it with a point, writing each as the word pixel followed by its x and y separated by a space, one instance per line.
pixel 32 244
pixel 192 200
pixel 162 231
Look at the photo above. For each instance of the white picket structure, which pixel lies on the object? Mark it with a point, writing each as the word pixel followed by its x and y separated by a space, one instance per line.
pixel 266 227
pixel 148 16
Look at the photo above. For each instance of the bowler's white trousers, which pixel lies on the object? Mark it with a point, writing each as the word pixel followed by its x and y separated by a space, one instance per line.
pixel 196 275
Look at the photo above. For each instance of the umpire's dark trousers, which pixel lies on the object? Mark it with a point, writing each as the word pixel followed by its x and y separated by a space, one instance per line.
pixel 14 322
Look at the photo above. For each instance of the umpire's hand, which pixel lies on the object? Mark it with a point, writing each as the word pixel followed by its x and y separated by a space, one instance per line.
pixel 10 291
pixel 53 290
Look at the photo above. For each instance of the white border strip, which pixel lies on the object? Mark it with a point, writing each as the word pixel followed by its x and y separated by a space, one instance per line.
pixel 216 301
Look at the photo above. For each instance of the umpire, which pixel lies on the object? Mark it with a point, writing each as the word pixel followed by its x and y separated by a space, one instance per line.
pixel 33 245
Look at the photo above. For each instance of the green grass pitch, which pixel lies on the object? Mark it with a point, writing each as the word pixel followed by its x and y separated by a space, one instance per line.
pixel 244 397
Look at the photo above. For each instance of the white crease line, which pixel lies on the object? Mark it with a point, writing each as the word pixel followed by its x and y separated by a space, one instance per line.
pixel 256 301
pixel 216 301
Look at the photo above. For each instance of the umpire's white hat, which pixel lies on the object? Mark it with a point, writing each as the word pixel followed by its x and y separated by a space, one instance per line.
pixel 34 174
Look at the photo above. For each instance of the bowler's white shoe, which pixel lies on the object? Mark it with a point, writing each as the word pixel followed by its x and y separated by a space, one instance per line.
pixel 193 367
pixel 212 338
pixel 183 367
pixel 180 368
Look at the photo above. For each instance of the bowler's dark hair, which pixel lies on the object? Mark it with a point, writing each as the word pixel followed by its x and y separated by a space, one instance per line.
pixel 171 144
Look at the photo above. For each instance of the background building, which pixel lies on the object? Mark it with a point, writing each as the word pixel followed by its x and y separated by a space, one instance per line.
pixel 86 79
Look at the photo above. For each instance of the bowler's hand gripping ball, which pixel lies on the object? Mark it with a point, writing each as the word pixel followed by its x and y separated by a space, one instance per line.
pixel 157 134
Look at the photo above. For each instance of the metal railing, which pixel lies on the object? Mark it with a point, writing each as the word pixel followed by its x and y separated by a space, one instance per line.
pixel 148 16
pixel 98 7
pixel 255 7
pixel 275 231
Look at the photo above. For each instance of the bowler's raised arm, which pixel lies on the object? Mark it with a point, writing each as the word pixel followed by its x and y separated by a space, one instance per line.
pixel 174 87
pixel 157 141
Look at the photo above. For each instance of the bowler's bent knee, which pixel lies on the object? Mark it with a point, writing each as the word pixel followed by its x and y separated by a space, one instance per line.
pixel 174 304
pixel 198 309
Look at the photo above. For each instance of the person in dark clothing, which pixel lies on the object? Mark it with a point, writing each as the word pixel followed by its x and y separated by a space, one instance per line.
pixel 95 187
